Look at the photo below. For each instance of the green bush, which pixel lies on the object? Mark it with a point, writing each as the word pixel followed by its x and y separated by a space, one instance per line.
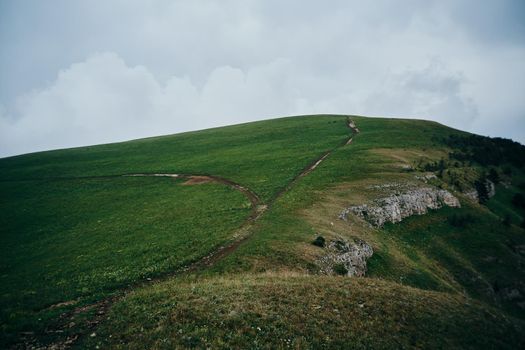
pixel 319 241
pixel 340 269
pixel 460 220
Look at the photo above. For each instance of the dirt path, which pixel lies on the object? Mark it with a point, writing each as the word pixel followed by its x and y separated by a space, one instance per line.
pixel 198 179
pixel 241 235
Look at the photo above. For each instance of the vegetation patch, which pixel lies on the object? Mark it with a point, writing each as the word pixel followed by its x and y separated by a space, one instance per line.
pixel 307 312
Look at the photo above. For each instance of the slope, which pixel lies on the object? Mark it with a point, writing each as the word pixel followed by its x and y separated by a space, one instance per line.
pixel 70 219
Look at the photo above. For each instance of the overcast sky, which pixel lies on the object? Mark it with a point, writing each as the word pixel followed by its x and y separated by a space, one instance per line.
pixel 76 73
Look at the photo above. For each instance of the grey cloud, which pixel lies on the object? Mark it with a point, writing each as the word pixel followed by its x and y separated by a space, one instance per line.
pixel 103 99
pixel 172 66
pixel 431 93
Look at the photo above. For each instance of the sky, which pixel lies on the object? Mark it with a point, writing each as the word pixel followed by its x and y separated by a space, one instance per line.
pixel 76 73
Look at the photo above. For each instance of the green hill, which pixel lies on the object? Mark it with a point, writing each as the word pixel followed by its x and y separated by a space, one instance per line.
pixel 204 239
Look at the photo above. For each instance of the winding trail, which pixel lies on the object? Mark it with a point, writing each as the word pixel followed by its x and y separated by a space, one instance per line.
pixel 251 195
pixel 241 235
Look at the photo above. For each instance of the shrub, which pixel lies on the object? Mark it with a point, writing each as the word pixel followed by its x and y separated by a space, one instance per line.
pixel 481 189
pixel 460 220
pixel 319 241
pixel 507 220
pixel 493 176
pixel 518 200
pixel 486 151
pixel 340 269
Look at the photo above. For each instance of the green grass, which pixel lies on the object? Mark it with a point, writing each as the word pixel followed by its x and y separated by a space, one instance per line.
pixel 73 231
pixel 424 251
pixel 279 231
pixel 78 239
pixel 301 312
pixel 478 255
pixel 501 204
pixel 263 156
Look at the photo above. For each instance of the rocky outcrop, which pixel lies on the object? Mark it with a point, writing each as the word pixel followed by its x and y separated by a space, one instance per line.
pixel 396 207
pixel 345 257
pixel 426 177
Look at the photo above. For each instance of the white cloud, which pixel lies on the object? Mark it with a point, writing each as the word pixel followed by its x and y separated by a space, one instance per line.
pixel 173 66
pixel 103 99
pixel 430 93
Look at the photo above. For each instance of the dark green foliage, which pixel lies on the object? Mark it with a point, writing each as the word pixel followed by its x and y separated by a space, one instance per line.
pixel 441 167
pixel 460 219
pixel 493 176
pixel 486 151
pixel 518 200
pixel 433 166
pixel 319 241
pixel 481 188
pixel 507 220
pixel 340 269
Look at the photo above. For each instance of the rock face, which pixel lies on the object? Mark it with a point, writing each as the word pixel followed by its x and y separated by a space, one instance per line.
pixel 345 257
pixel 426 177
pixel 396 207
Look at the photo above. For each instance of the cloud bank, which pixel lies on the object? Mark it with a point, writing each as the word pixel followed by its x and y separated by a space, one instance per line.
pixel 172 66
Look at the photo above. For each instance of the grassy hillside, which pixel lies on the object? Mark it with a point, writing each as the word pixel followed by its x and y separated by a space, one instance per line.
pixel 263 155
pixel 79 240
pixel 301 312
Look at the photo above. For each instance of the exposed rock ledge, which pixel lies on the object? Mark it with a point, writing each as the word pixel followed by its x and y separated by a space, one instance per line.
pixel 396 207
pixel 345 257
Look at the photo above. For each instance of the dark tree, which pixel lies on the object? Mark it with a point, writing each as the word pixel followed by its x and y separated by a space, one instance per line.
pixel 319 241
pixel 486 151
pixel 518 200
pixel 493 176
pixel 441 167
pixel 507 220
pixel 481 189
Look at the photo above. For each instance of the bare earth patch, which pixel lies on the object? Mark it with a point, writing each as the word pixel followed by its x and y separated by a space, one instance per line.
pixel 198 180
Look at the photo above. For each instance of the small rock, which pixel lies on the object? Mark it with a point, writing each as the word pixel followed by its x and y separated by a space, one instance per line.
pixel 351 255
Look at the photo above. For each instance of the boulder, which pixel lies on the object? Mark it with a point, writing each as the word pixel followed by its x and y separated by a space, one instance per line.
pixel 345 257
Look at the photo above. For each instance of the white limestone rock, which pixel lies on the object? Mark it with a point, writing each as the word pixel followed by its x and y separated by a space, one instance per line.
pixel 396 207
pixel 352 255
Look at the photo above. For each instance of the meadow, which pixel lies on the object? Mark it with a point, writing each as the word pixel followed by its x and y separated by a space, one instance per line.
pixel 80 241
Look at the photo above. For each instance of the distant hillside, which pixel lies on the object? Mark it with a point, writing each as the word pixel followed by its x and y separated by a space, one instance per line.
pixel 305 232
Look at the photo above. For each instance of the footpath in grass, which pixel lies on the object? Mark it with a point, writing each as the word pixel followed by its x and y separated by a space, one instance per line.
pixel 74 230
pixel 263 156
